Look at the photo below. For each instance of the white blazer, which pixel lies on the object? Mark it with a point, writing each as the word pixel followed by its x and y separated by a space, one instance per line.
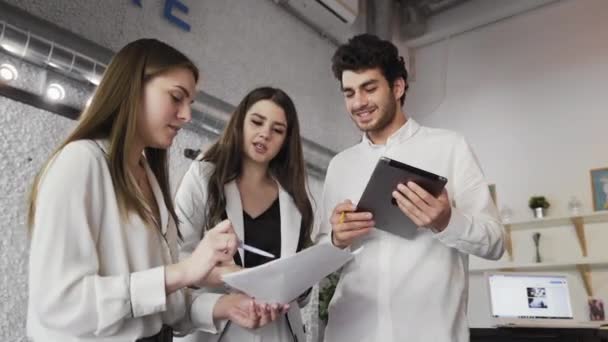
pixel 93 275
pixel 191 201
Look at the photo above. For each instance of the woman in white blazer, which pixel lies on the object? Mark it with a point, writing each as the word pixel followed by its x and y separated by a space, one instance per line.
pixel 255 177
pixel 103 262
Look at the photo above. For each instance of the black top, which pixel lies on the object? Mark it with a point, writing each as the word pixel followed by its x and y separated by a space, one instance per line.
pixel 263 232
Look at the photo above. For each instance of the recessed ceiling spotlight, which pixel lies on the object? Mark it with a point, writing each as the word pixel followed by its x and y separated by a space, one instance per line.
pixel 8 72
pixel 55 92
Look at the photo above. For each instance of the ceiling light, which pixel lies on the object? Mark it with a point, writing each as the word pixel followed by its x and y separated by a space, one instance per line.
pixel 8 72
pixel 11 48
pixel 55 92
pixel 94 79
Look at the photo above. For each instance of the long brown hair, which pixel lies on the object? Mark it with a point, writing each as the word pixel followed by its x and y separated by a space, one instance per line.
pixel 287 167
pixel 112 115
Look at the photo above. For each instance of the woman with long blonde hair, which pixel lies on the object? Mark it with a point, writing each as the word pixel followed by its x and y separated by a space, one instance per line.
pixel 103 261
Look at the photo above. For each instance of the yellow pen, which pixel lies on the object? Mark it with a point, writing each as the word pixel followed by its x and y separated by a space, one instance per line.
pixel 342 217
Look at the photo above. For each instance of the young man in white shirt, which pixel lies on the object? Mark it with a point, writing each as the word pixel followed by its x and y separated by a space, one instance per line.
pixel 399 289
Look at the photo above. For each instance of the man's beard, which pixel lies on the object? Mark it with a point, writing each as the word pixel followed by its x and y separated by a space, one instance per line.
pixel 387 115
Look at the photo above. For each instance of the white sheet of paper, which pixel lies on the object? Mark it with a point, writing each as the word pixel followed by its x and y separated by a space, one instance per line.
pixel 283 280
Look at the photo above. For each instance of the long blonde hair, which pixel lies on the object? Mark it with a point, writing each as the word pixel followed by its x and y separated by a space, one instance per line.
pixel 112 115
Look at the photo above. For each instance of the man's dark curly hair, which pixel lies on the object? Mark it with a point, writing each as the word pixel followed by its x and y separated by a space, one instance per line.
pixel 367 51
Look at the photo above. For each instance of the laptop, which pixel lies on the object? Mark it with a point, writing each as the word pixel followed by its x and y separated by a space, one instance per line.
pixel 520 300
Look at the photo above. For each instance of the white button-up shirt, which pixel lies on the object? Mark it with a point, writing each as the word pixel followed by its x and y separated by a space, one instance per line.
pixel 416 289
pixel 93 275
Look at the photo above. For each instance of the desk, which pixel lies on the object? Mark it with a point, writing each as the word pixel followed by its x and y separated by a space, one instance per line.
pixel 538 334
pixel 603 334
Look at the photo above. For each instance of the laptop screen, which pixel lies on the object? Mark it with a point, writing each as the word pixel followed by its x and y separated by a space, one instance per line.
pixel 529 296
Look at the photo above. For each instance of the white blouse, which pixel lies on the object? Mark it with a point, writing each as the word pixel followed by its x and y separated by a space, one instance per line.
pixel 93 276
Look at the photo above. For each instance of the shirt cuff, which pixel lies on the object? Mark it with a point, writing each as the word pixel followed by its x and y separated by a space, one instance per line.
pixel 147 290
pixel 455 229
pixel 331 242
pixel 201 313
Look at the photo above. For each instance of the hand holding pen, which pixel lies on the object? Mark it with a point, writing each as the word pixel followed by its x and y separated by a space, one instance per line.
pixel 217 246
pixel 348 225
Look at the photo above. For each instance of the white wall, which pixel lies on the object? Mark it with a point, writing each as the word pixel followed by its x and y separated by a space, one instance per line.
pixel 27 136
pixel 530 95
pixel 237 44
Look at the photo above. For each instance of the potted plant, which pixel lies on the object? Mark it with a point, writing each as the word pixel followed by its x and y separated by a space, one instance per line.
pixel 327 287
pixel 538 204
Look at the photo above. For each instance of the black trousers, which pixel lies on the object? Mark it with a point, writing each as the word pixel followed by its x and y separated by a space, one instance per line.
pixel 164 335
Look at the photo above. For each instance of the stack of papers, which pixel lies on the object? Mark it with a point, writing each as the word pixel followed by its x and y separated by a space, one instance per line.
pixel 284 280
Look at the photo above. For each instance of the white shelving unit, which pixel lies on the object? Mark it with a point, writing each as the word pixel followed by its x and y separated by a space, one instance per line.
pixel 540 266
pixel 601 216
pixel 578 222
pixel 583 265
